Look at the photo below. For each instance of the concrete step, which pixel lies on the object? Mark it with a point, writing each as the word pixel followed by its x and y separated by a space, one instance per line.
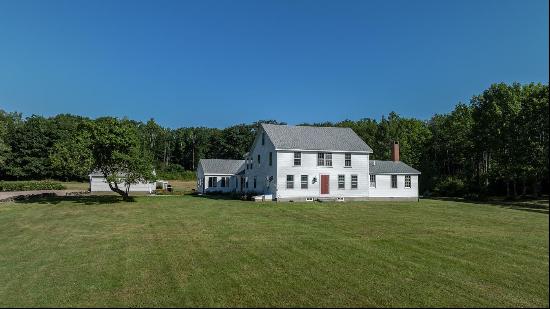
pixel 330 199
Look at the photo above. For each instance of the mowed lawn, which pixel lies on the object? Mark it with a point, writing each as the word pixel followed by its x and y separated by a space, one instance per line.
pixel 196 251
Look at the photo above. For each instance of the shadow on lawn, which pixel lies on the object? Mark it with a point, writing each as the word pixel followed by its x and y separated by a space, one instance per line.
pixel 86 200
pixel 537 205
pixel 217 196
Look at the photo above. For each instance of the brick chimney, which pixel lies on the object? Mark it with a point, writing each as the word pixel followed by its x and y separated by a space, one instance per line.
pixel 395 151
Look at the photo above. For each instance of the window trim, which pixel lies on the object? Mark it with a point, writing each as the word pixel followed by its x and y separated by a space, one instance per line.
pixel 410 182
pixel 323 158
pixel 328 154
pixel 290 183
pixel 299 158
pixel 306 182
pixel 346 160
pixel 342 182
pixel 391 181
pixel 356 182
pixel 371 176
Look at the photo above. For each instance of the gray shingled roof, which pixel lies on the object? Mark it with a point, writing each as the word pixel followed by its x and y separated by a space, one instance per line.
pixel 390 167
pixel 221 166
pixel 315 138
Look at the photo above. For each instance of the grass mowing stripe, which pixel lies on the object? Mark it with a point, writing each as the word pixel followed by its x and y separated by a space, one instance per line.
pixel 193 251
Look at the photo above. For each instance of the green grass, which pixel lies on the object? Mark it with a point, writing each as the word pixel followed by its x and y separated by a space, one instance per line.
pixel 194 251
pixel 76 185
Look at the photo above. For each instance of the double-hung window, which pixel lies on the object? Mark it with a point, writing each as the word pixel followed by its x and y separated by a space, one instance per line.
pixel 354 181
pixel 347 160
pixel 213 181
pixel 341 181
pixel 290 181
pixel 407 181
pixel 297 158
pixel 254 182
pixel 270 158
pixel 324 159
pixel 223 182
pixel 304 181
pixel 394 181
pixel 372 181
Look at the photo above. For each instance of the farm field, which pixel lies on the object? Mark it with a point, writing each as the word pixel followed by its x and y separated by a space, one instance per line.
pixel 212 252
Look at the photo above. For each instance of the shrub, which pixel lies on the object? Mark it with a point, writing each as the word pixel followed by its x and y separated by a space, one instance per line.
pixel 449 186
pixel 30 185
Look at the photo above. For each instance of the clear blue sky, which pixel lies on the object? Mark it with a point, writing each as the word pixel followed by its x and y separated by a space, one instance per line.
pixel 218 63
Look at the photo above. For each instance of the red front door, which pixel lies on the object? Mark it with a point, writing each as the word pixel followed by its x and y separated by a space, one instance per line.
pixel 324 184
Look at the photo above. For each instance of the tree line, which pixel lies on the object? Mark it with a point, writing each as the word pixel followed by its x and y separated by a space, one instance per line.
pixel 495 145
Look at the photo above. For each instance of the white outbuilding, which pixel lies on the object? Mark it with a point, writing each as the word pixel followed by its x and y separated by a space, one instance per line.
pixel 98 183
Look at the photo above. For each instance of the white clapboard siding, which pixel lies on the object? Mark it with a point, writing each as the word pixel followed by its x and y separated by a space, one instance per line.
pixel 230 187
pixel 263 170
pixel 384 190
pixel 285 166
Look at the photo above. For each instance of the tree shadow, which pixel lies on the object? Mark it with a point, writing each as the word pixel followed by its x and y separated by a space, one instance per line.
pixel 531 205
pixel 85 200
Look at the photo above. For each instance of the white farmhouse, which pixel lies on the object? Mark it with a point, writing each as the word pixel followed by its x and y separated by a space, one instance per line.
pixel 295 163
